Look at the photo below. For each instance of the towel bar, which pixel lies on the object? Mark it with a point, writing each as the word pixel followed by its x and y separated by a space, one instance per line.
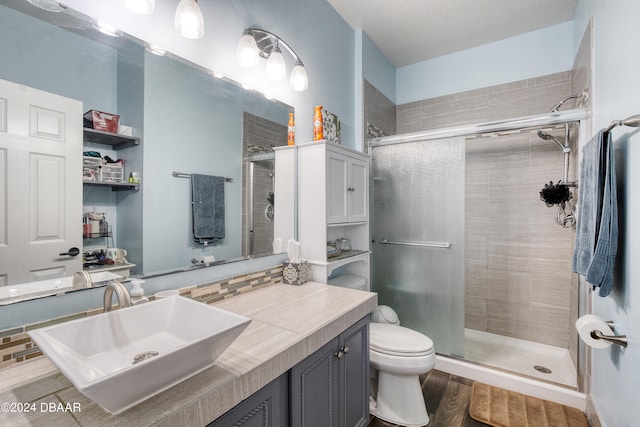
pixel 188 175
pixel 443 245
pixel 633 121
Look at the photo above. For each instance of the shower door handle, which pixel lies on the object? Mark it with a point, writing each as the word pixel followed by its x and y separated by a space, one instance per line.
pixel 442 245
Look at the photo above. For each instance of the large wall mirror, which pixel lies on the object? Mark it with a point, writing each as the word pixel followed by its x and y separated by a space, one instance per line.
pixel 188 121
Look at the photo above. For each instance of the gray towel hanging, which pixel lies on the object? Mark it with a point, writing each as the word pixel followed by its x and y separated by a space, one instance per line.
pixel 208 208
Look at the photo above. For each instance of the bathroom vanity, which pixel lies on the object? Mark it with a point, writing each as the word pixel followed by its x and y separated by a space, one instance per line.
pixel 304 355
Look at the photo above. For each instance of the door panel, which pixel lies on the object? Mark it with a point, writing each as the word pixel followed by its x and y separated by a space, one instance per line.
pixel 337 165
pixel 358 182
pixel 418 197
pixel 41 185
pixel 314 389
pixel 355 399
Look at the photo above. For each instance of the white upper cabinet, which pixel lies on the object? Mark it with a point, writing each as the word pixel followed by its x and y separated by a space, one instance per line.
pixel 347 178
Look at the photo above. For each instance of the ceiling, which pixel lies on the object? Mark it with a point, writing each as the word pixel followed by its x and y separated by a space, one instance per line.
pixel 410 31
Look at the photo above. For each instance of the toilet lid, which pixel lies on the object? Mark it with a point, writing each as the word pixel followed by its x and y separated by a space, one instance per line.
pixel 398 340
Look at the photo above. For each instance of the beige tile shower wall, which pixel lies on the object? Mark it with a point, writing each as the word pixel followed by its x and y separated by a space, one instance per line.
pixel 521 98
pixel 379 111
pixel 517 259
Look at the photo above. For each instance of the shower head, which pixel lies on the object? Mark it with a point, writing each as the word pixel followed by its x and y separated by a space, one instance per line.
pixel 547 136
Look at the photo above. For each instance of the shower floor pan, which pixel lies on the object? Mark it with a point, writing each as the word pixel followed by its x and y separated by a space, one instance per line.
pixel 520 356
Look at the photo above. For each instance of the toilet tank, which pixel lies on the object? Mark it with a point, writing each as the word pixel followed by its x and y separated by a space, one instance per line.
pixel 385 314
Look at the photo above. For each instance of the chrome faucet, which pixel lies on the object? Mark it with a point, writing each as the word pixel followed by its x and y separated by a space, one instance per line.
pixel 124 300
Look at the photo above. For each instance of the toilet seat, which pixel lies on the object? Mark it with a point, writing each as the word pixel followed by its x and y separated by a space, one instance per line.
pixel 396 340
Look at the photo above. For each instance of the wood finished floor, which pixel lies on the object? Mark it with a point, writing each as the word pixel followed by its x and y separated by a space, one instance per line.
pixel 447 397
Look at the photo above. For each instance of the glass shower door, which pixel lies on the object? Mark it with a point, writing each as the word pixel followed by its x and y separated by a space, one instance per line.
pixel 417 228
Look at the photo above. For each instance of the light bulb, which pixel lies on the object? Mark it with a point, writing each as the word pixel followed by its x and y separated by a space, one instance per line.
pixel 189 22
pixel 276 69
pixel 299 80
pixel 144 7
pixel 247 51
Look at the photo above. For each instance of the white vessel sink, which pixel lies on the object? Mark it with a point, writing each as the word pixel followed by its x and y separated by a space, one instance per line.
pixel 97 353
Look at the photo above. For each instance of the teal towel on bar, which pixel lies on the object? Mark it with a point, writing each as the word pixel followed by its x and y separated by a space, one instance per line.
pixel 597 225
pixel 208 208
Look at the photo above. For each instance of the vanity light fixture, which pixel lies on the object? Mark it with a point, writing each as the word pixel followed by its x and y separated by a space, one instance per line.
pixel 256 43
pixel 276 68
pixel 247 50
pixel 189 21
pixel 143 7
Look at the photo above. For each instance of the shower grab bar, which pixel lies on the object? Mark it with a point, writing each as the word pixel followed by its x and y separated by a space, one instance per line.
pixel 442 245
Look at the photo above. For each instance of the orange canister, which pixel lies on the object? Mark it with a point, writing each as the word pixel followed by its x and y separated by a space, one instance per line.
pixel 291 130
pixel 318 133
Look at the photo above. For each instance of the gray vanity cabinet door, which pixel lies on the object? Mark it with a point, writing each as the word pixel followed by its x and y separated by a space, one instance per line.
pixel 314 389
pixel 354 365
pixel 330 388
pixel 268 407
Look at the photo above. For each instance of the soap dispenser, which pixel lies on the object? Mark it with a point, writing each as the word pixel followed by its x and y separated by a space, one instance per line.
pixel 137 293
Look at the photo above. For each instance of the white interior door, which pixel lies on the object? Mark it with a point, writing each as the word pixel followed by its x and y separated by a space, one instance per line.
pixel 40 184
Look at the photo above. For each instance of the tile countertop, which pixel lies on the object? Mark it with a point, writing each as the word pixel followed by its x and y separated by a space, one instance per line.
pixel 288 324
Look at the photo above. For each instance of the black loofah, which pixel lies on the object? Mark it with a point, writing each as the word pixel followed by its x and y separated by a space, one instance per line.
pixel 555 194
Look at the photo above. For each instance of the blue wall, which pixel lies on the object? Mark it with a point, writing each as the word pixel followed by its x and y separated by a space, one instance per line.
pixel 324 41
pixel 529 55
pixel 377 69
pixel 616 95
pixel 193 124
pixel 48 58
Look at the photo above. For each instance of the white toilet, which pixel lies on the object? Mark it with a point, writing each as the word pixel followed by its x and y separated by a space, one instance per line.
pixel 398 357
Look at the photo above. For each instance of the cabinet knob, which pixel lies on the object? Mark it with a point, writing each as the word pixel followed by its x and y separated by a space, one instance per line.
pixel 351 189
pixel 342 352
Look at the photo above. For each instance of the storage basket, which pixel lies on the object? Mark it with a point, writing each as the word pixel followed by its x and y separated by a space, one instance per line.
pixel 100 120
pixel 91 168
pixel 112 172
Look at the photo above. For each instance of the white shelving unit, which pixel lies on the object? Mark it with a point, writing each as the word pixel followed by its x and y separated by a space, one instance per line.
pixel 333 202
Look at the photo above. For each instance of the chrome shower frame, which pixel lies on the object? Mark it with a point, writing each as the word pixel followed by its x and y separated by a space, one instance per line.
pixel 566 211
pixel 526 123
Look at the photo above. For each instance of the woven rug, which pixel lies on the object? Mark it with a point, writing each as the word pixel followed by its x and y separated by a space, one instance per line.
pixel 503 408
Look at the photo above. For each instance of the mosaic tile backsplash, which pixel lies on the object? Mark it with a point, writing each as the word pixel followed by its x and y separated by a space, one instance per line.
pixel 16 346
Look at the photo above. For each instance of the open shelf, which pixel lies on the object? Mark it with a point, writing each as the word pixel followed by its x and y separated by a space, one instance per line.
pixel 115 186
pixel 107 138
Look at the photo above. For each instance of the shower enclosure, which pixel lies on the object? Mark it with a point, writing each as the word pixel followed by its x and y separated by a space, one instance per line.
pixel 258 226
pixel 465 250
